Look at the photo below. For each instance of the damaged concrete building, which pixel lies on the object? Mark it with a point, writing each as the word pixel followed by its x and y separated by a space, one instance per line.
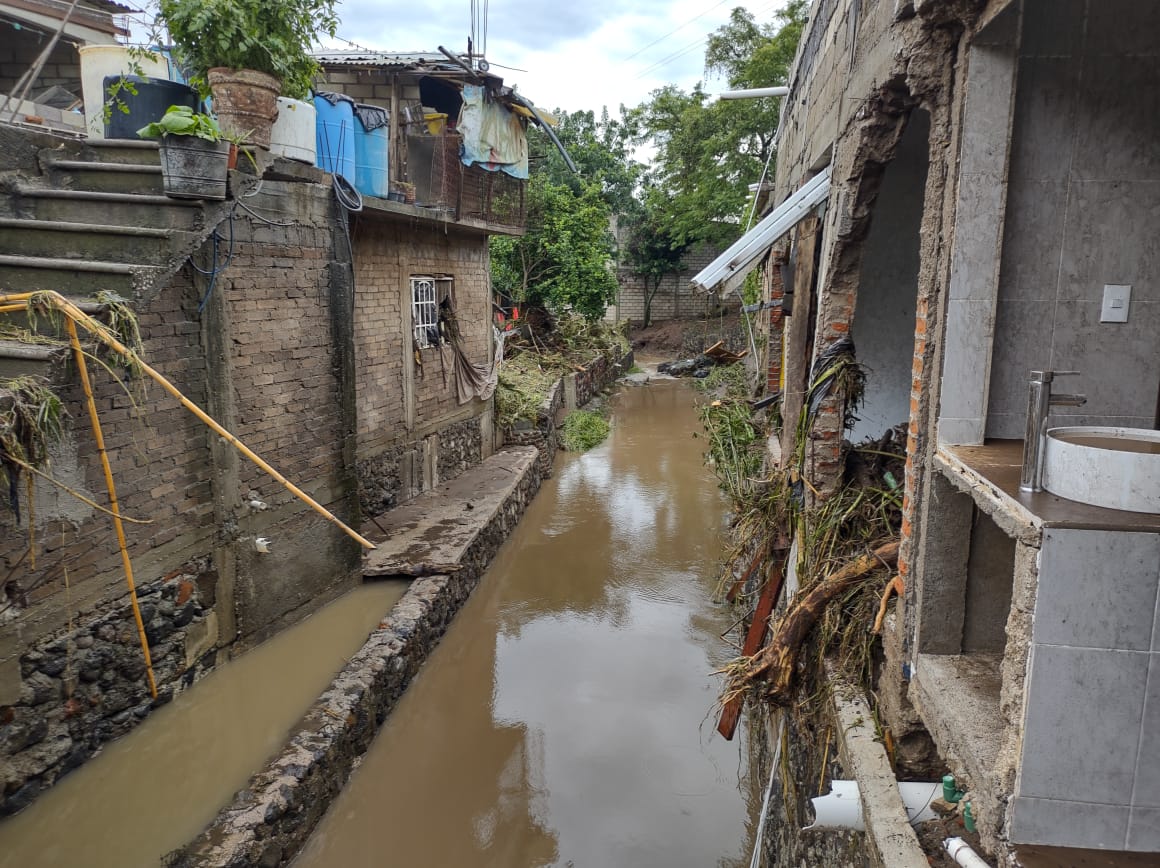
pixel 333 340
pixel 968 190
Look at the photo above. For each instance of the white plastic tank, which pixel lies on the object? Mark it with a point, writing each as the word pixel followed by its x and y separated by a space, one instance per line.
pixel 97 61
pixel 293 135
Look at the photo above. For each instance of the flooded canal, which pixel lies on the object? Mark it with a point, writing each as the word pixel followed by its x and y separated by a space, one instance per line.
pixel 159 786
pixel 566 718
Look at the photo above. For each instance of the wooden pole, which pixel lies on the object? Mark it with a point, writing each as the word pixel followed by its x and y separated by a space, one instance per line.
pixel 115 509
pixel 731 713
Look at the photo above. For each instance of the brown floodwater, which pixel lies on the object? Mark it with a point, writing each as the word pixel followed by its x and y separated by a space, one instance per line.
pixel 155 789
pixel 567 716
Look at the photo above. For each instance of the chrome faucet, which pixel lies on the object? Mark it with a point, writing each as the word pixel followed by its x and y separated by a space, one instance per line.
pixel 1040 400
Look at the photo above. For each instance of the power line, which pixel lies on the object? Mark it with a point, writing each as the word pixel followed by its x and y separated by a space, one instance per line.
pixel 676 29
pixel 704 39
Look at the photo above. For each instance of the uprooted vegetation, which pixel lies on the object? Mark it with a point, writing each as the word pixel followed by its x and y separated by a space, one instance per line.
pixel 535 358
pixel 847 540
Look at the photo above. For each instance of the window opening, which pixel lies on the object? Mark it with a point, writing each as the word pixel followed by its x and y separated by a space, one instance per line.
pixel 426 295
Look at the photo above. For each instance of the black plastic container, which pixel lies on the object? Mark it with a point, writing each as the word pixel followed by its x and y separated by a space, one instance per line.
pixel 154 96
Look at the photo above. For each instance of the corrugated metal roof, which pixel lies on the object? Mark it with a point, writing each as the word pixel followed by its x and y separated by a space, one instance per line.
pixel 382 59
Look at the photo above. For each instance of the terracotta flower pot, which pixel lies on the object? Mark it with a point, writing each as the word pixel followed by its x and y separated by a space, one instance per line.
pixel 245 102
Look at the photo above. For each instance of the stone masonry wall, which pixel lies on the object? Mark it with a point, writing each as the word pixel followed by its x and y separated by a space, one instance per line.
pixel 269 821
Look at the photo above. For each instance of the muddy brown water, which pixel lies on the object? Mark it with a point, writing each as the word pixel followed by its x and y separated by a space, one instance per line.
pixel 566 717
pixel 160 785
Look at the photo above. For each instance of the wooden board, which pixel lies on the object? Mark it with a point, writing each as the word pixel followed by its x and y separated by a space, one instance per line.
pixel 754 639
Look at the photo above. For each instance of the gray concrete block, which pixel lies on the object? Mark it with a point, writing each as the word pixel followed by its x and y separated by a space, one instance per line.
pixel 1082 727
pixel 1097 589
pixel 1146 793
pixel 1068 824
pixel 1144 830
pixel 1049 27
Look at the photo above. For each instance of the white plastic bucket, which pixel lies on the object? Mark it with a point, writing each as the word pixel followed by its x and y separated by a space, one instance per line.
pixel 97 61
pixel 293 135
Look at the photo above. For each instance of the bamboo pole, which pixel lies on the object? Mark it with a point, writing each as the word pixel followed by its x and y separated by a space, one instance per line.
pixel 79 356
pixel 75 314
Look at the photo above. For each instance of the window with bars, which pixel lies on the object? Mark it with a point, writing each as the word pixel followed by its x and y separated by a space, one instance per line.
pixel 426 294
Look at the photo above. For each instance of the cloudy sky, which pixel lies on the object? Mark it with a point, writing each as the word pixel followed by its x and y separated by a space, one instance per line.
pixel 577 54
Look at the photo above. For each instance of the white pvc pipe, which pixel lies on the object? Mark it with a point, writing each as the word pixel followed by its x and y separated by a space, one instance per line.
pixel 962 853
pixel 842 808
pixel 753 93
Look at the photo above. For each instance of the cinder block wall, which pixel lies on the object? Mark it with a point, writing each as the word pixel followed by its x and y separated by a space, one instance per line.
pixel 675 298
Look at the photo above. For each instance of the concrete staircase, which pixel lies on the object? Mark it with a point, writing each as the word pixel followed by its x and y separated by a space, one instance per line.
pixel 95 218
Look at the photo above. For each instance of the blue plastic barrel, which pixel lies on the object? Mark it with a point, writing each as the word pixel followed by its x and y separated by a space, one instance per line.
pixel 371 173
pixel 335 135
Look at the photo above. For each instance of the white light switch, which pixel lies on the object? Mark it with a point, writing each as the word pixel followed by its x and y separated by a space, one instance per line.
pixel 1117 299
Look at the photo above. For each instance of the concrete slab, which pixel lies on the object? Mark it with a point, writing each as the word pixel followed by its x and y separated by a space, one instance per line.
pixel 437 527
pixel 888 828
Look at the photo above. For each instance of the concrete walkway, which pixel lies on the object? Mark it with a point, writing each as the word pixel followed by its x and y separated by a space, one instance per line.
pixel 433 531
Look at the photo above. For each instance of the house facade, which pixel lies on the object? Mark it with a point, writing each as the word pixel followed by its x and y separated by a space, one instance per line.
pixel 349 344
pixel 974 188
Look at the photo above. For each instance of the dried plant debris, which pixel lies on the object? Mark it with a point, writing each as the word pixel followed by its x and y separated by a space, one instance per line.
pixel 31 422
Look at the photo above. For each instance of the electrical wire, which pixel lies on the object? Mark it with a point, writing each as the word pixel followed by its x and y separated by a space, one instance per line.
pixel 680 27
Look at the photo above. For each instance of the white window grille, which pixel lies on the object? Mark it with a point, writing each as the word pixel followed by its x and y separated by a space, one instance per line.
pixel 426 294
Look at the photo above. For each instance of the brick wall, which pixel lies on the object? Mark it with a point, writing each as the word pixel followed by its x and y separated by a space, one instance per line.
pixel 400 402
pixel 676 298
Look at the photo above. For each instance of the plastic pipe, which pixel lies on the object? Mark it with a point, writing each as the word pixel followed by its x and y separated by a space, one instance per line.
pixel 842 808
pixel 962 853
pixel 753 93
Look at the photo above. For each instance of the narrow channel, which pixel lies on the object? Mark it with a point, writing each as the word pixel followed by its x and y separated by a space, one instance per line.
pixel 567 716
pixel 155 789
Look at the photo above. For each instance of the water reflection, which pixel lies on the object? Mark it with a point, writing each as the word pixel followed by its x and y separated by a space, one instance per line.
pixel 560 721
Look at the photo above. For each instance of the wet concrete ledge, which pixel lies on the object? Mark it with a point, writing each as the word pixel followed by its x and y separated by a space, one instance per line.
pixel 270 820
pixel 891 840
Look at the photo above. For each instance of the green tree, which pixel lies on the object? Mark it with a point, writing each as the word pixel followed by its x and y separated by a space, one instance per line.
pixel 708 153
pixel 652 251
pixel 562 262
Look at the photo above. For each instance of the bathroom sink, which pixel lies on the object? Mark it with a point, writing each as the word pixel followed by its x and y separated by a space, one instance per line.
pixel 1118 468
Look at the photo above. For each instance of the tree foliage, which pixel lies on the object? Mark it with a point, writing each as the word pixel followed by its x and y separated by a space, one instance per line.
pixel 562 262
pixel 708 153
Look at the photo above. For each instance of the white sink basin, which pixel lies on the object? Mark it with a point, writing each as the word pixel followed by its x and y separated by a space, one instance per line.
pixel 1114 467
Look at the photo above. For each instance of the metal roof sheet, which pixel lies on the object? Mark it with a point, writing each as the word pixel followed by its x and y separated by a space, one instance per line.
pixel 730 268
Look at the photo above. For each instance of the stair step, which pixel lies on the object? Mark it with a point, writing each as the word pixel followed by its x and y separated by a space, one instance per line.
pixel 107 177
pixel 121 151
pixel 122 209
pixel 70 277
pixel 87 241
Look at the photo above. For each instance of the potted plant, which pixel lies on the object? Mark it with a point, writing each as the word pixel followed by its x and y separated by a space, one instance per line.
pixel 247 52
pixel 194 153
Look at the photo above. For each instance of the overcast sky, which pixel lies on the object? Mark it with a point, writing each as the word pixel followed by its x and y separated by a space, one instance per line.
pixel 578 54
